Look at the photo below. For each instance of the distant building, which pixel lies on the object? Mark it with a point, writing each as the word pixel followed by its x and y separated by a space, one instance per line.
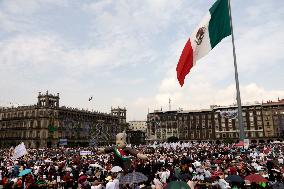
pixel 138 126
pixel 121 113
pixel 135 137
pixel 262 122
pixel 46 123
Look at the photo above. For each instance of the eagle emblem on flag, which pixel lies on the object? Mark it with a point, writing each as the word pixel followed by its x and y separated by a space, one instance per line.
pixel 199 35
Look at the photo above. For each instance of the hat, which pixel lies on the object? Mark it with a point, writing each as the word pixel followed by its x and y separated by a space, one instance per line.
pixel 109 178
pixel 142 185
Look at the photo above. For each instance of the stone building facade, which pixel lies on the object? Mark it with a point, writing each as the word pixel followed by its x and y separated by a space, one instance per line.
pixel 135 137
pixel 138 126
pixel 262 122
pixel 46 123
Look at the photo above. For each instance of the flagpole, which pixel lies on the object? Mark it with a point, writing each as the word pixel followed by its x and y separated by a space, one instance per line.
pixel 240 116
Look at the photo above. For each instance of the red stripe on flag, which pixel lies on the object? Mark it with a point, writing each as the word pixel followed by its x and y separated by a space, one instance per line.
pixel 185 62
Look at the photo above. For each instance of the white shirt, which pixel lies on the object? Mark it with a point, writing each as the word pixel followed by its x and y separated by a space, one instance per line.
pixel 280 160
pixel 97 187
pixel 223 184
pixel 157 182
pixel 116 181
pixel 110 185
pixel 207 174
pixel 164 177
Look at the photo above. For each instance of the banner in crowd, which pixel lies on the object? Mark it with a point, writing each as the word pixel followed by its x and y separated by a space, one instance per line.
pixel 63 142
pixel 172 145
pixel 19 151
pixel 86 153
pixel 229 114
pixel 246 143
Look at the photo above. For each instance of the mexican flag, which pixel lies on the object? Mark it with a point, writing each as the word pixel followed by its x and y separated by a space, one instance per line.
pixel 212 29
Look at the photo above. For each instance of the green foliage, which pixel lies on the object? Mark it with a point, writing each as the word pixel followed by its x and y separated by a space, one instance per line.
pixel 51 128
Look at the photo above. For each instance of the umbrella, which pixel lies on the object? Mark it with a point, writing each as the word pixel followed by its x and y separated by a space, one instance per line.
pixel 278 185
pixel 133 178
pixel 185 176
pixel 48 161
pixel 116 169
pixel 255 178
pixel 276 170
pixel 197 164
pixel 89 172
pixel 235 179
pixel 217 173
pixel 25 172
pixel 266 151
pixel 82 179
pixel 240 144
pixel 177 185
pixel 96 165
pixel 218 161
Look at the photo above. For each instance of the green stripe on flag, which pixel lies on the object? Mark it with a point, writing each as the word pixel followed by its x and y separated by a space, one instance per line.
pixel 219 25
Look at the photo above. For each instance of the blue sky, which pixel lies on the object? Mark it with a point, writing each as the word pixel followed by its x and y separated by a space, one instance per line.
pixel 124 53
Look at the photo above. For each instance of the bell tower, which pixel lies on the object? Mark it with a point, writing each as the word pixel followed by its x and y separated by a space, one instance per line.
pixel 120 112
pixel 48 100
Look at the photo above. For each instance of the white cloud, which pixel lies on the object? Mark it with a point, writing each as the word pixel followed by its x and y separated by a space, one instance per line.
pixel 29 6
pixel 44 52
pixel 144 37
pixel 202 95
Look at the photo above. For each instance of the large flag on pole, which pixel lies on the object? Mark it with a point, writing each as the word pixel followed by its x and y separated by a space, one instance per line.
pixel 212 29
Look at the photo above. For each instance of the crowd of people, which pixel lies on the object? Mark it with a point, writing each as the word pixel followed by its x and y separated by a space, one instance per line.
pixel 200 165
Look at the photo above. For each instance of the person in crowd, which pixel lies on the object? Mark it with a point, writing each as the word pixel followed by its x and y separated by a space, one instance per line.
pixel 201 165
